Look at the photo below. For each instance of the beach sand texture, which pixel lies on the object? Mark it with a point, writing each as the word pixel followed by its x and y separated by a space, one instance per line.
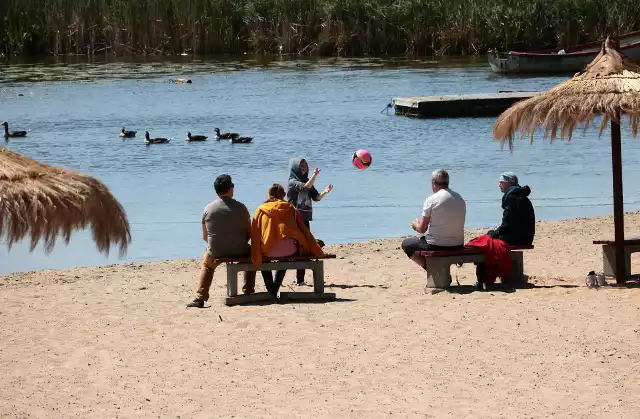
pixel 117 341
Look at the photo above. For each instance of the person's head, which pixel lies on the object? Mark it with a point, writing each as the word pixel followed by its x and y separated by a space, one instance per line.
pixel 507 180
pixel 276 193
pixel 298 169
pixel 439 180
pixel 223 186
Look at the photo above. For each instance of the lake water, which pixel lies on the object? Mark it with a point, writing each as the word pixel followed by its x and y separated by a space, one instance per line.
pixel 320 109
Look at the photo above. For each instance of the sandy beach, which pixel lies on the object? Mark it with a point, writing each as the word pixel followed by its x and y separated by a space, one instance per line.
pixel 117 341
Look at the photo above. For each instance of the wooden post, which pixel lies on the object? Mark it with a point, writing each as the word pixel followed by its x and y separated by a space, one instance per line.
pixel 618 205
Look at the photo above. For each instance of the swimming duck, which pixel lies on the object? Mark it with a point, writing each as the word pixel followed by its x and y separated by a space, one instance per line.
pixel 241 140
pixel 195 137
pixel 8 133
pixel 154 140
pixel 225 135
pixel 127 134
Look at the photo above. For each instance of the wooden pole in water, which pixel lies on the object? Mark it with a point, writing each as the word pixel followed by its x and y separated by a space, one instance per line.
pixel 618 204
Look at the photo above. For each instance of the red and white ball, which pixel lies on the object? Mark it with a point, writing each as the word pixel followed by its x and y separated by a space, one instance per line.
pixel 361 159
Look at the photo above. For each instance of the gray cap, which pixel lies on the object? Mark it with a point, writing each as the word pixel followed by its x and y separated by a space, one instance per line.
pixel 509 177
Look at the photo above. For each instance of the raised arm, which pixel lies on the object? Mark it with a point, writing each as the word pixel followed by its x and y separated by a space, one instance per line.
pixel 312 179
pixel 319 196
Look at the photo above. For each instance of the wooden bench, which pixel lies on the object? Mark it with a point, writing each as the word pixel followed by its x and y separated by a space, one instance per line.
pixel 438 264
pixel 313 263
pixel 631 245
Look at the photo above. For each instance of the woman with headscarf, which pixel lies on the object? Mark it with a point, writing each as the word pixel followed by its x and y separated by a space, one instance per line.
pixel 301 193
pixel 278 231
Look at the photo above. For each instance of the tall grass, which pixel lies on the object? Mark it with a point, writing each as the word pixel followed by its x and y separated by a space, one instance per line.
pixel 325 27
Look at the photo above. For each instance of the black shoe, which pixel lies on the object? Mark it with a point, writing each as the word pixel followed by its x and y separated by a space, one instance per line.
pixel 196 303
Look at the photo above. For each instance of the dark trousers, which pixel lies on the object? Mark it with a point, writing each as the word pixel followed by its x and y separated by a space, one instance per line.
pixel 271 286
pixel 481 268
pixel 300 272
pixel 419 243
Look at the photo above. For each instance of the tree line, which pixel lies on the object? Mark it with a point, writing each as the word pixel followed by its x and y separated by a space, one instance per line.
pixel 307 27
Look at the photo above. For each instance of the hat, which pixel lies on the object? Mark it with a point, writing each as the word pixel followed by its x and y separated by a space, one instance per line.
pixel 509 177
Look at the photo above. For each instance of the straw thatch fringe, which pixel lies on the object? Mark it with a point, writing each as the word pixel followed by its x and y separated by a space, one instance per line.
pixel 44 202
pixel 608 86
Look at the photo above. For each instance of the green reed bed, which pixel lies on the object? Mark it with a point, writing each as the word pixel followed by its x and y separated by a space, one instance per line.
pixel 325 27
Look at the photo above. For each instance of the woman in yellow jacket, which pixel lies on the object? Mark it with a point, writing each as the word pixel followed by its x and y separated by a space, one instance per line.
pixel 278 231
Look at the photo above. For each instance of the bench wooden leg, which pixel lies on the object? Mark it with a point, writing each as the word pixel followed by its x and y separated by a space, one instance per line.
pixel 232 280
pixel 438 273
pixel 517 269
pixel 318 278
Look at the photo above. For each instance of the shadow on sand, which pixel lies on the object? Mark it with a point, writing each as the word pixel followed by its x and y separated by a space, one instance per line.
pixel 280 301
pixel 345 287
pixel 468 289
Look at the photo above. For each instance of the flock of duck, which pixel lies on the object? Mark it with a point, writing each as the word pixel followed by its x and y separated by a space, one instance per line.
pixel 233 136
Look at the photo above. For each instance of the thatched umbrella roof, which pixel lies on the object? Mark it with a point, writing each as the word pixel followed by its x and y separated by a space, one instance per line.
pixel 607 88
pixel 44 202
pixel 608 85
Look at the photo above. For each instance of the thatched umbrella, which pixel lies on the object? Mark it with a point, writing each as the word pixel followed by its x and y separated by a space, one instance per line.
pixel 43 202
pixel 608 87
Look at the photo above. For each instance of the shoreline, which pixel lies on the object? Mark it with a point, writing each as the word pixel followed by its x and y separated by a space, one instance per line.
pixel 387 242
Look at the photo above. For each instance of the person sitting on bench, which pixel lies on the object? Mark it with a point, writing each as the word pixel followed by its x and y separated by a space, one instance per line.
pixel 518 225
pixel 442 220
pixel 226 227
pixel 278 230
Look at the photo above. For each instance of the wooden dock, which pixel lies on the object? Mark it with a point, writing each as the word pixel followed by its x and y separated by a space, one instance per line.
pixel 458 106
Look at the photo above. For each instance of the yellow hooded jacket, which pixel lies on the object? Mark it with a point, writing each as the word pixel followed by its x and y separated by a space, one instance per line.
pixel 277 220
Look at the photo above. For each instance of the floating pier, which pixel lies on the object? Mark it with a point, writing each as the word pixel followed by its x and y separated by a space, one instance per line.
pixel 458 106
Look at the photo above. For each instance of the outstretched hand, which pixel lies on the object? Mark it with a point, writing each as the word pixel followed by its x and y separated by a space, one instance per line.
pixel 316 171
pixel 328 189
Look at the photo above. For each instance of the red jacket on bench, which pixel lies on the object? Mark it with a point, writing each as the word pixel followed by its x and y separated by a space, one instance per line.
pixel 497 256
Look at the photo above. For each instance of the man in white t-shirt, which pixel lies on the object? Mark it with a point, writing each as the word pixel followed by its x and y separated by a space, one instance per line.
pixel 442 220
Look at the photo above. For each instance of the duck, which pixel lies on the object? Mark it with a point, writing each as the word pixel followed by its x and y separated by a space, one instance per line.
pixel 127 134
pixel 195 137
pixel 12 134
pixel 241 140
pixel 149 140
pixel 225 135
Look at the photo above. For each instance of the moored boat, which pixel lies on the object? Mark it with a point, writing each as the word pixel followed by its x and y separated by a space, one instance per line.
pixel 568 60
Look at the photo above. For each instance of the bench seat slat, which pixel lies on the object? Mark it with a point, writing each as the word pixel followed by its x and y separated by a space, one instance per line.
pixel 462 252
pixel 283 259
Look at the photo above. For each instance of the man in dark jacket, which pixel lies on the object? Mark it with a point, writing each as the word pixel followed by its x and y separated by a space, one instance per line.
pixel 518 225
pixel 518 218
